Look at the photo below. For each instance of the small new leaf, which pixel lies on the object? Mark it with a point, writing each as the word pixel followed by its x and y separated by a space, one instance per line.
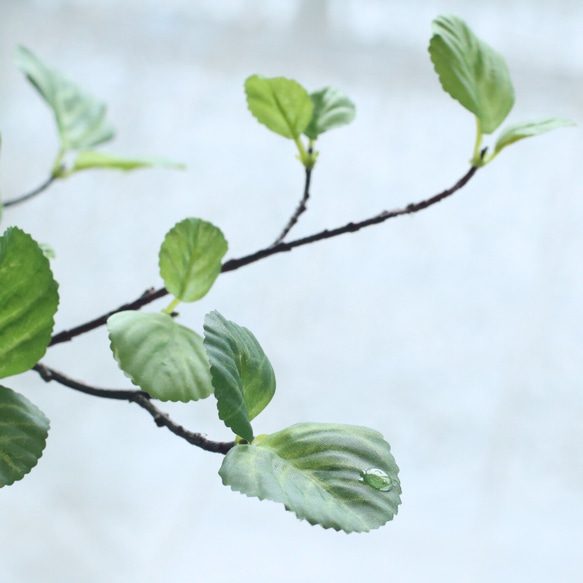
pixel 90 159
pixel 332 109
pixel 81 118
pixel 23 436
pixel 315 470
pixel 242 375
pixel 163 358
pixel 471 71
pixel 280 104
pixel 190 258
pixel 519 131
pixel 28 302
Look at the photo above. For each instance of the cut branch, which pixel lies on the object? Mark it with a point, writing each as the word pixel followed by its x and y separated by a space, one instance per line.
pixel 140 398
pixel 150 295
pixel 31 194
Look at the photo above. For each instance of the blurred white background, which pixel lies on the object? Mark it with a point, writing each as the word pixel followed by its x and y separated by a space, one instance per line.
pixel 457 332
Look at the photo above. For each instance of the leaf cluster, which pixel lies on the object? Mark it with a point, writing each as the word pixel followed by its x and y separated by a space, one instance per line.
pixel 342 477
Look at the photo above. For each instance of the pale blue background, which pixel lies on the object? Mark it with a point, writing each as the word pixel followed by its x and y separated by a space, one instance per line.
pixel 457 333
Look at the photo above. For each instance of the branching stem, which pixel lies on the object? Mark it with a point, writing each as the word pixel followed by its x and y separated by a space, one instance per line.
pixel 150 295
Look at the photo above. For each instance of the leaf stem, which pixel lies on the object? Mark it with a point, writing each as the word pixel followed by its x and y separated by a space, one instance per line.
pixel 477 159
pixel 171 306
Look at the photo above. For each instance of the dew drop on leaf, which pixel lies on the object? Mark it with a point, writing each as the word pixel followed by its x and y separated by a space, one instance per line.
pixel 377 479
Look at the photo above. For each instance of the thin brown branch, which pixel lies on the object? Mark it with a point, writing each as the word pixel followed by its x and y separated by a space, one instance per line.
pixel 301 208
pixel 140 398
pixel 147 297
pixel 31 194
pixel 233 264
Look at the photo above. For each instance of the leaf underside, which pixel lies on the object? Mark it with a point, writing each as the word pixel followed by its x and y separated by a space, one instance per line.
pixel 91 159
pixel 163 358
pixel 332 109
pixel 81 118
pixel 519 131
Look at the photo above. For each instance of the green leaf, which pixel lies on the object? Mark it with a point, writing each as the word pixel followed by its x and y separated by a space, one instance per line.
pixel 23 436
pixel 190 258
pixel 316 471
pixel 165 359
pixel 28 302
pixel 332 109
pixel 471 71
pixel 80 116
pixel 519 131
pixel 281 104
pixel 243 379
pixel 91 159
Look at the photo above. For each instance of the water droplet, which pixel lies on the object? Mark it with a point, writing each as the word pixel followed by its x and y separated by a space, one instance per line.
pixel 377 478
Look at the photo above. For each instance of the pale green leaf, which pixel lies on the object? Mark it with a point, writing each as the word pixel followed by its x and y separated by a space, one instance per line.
pixel 281 104
pixel 23 436
pixel 81 118
pixel 28 302
pixel 163 358
pixel 90 159
pixel 242 375
pixel 519 131
pixel 332 109
pixel 190 258
pixel 471 71
pixel 315 470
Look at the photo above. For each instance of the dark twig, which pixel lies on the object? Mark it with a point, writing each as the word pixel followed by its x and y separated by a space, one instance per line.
pixel 233 264
pixel 148 296
pixel 142 399
pixel 31 194
pixel 302 207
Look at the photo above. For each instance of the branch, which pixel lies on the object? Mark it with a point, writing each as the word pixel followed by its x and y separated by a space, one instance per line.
pixel 299 210
pixel 147 297
pixel 233 264
pixel 32 194
pixel 142 399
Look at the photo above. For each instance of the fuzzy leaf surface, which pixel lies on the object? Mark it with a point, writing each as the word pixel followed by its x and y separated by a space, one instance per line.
pixel 28 302
pixel 519 131
pixel 163 358
pixel 332 109
pixel 91 159
pixel 314 470
pixel 23 436
pixel 242 375
pixel 280 104
pixel 190 258
pixel 81 118
pixel 471 71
